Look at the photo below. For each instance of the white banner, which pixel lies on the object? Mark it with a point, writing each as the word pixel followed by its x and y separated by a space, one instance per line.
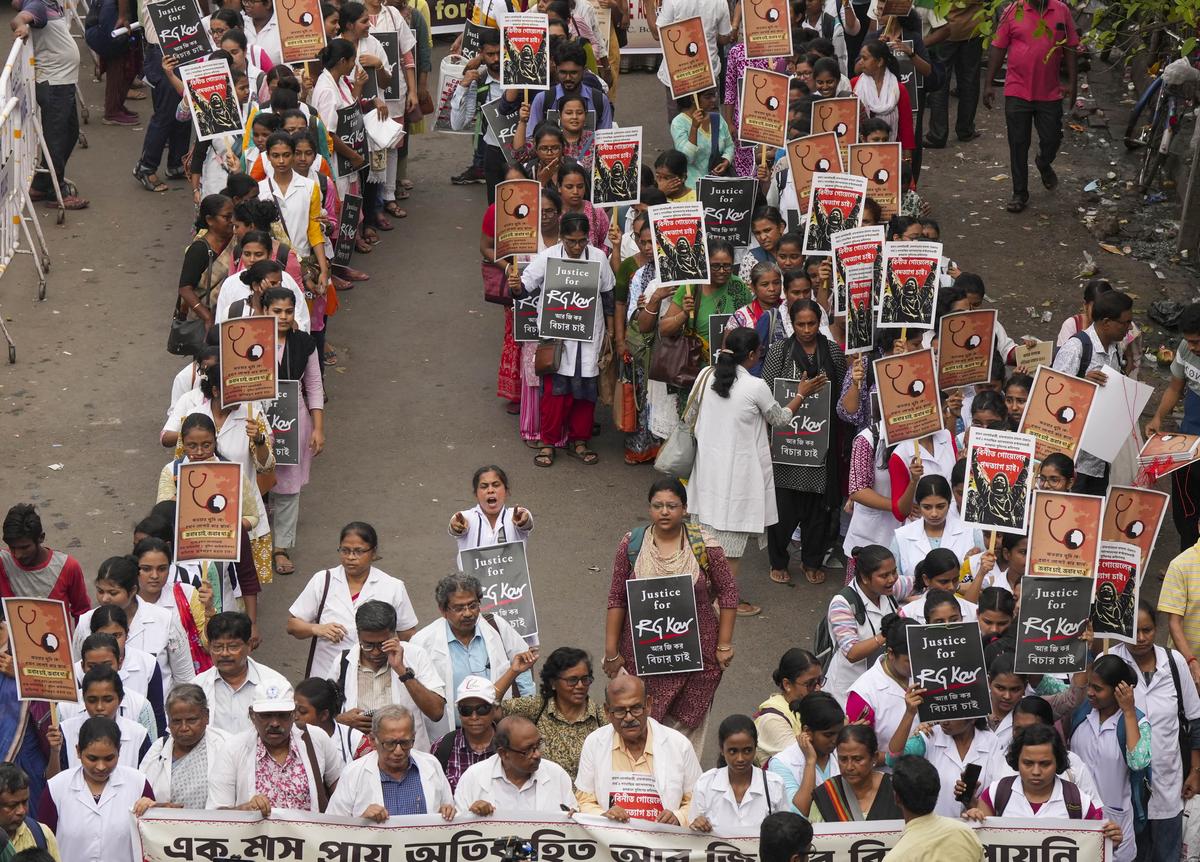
pixel 170 835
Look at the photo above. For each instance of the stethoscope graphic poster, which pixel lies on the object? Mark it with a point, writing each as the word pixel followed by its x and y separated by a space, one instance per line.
pixel 965 347
pixel 768 30
pixel 40 645
pixel 248 369
pixel 1065 539
pixel 1134 515
pixel 880 164
pixel 764 108
pixel 208 511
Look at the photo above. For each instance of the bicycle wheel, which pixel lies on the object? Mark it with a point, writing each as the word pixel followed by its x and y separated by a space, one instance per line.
pixel 1154 158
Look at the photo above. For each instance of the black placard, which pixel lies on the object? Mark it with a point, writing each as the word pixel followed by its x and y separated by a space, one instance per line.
pixel 570 300
pixel 947 661
pixel 343 249
pixel 1054 611
pixel 353 133
pixel 370 89
pixel 716 335
pixel 727 207
pixel 389 40
pixel 803 442
pixel 503 126
pixel 181 33
pixel 525 320
pixel 284 417
pixel 503 572
pixel 663 624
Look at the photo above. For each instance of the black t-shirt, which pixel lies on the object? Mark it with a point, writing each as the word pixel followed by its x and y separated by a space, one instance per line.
pixel 195 263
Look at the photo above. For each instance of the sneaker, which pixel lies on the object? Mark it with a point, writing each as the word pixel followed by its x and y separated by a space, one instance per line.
pixel 468 177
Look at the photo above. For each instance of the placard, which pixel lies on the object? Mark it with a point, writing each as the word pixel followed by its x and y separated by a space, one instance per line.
pixel 389 40
pixel 524 51
pixel 518 218
pixel 680 244
pixel 1056 412
pixel 301 29
pixel 716 334
pixel 1112 419
pixel 663 624
pixel 39 641
pixel 370 88
pixel 1052 615
pixel 910 79
pixel 503 572
pixel 767 29
pixel 1134 515
pixel 1030 356
pixel 570 300
pixel 814 154
pixel 1065 538
pixel 880 164
pixel 685 51
pixel 996 491
pixel 525 320
pixel 908 396
pixel 208 511
pixel 727 204
pixel 351 131
pixel 804 441
pixel 616 165
pixel 947 662
pixel 764 104
pixel 181 33
pixel 343 250
pixel 1118 585
pixel 283 417
pixel 839 116
pixel 910 285
pixel 503 126
pixel 637 793
pixel 248 369
pixel 472 39
pixel 835 203
pixel 965 347
pixel 212 99
pixel 898 8
pixel 857 272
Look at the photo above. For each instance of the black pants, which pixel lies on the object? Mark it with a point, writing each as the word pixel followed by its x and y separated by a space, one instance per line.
pixel 1020 116
pixel 163 131
pixel 1097 485
pixel 60 127
pixel 810 513
pixel 494 166
pixel 963 59
pixel 1185 504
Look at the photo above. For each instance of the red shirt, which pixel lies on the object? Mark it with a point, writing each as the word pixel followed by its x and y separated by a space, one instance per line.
pixel 1034 39
pixel 69 585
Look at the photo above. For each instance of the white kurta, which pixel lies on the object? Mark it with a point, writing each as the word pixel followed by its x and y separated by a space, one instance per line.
pixel 586 352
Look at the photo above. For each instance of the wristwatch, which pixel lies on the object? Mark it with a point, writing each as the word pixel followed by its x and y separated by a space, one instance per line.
pixel 407 675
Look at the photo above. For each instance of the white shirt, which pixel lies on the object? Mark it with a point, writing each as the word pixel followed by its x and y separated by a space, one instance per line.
pixel 233 289
pixel 186 380
pixel 361 785
pixel 137 671
pixel 156 765
pixel 340 608
pixel 715 16
pixel 134 706
pixel 545 790
pixel 1077 772
pixel 714 799
pixel 588 352
pixel 154 630
pixel 942 751
pixel 232 780
pixel 416 660
pixel 91 831
pixel 133 735
pixel 1055 806
pixel 267 38
pixel 480 532
pixel 327 96
pixel 294 207
pixel 885 697
pixel 790 764
pixel 229 710
pixel 910 543
pixel 1096 742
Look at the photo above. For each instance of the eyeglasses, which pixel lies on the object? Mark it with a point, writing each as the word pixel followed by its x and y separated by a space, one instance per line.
pixel 462 609
pixel 553 148
pixel 368 646
pixel 573 681
pixel 226 648
pixel 621 711
pixel 666 507
pixel 390 744
pixel 353 552
pixel 481 709
pixel 813 684
pixel 528 752
pixel 712 264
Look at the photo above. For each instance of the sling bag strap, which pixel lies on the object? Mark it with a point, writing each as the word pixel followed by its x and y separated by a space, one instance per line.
pixel 312 647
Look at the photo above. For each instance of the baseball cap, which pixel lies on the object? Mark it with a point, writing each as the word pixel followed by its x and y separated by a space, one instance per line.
pixel 273 698
pixel 476 687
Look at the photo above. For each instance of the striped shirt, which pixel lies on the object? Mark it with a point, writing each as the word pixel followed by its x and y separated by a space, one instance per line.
pixel 1181 594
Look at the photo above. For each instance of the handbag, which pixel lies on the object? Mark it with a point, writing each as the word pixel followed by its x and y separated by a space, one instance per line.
pixel 676 359
pixel 495 284
pixel 187 335
pixel 547 357
pixel 677 455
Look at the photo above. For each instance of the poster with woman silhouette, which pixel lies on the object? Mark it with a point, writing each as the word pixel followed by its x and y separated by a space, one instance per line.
pixel 248 370
pixel 764 108
pixel 524 51
pixel 908 295
pixel 211 99
pixel 208 511
pixel 766 29
pixel 839 116
pixel 301 29
pixel 857 270
pixel 908 396
pixel 685 51
pixel 1065 535
pixel 680 255
pixel 1134 515
pixel 880 164
pixel 835 203
pixel 1056 412
pixel 518 218
pixel 616 160
pixel 965 347
pixel 812 154
pixel 39 641
pixel 1115 598
pixel 996 490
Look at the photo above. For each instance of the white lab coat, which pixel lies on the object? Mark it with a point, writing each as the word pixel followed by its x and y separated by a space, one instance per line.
pixel 360 787
pixel 884 696
pixel 156 765
pixel 1076 772
pixel 587 352
pixel 233 289
pixel 156 631
pixel 480 533
pixel 133 736
pixel 546 790
pixel 1055 806
pixel 714 799
pixel 1096 742
pixel 910 544
pixel 942 751
pixel 417 660
pixel 232 776
pixel 134 706
pixel 676 769
pixel 91 831
pixel 843 672
pixel 294 207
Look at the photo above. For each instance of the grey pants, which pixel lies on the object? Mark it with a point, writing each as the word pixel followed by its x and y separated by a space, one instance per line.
pixel 285 515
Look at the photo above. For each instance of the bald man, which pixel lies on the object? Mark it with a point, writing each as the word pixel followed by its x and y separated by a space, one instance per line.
pixel 634 767
pixel 516 779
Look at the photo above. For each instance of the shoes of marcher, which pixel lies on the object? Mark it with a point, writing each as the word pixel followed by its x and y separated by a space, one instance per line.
pixel 931 144
pixel 1017 204
pixel 1049 177
pixel 122 119
pixel 70 202
pixel 468 177
pixel 975 133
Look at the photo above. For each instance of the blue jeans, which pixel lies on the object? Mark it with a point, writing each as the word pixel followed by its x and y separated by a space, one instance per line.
pixel 1161 840
pixel 163 131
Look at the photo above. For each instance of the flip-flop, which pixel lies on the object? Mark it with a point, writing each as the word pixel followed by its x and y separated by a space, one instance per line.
pixel 580 452
pixel 330 358
pixel 745 609
pixel 814 576
pixel 280 570
pixel 786 580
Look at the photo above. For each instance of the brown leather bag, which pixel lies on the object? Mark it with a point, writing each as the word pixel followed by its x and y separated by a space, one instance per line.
pixel 676 359
pixel 547 357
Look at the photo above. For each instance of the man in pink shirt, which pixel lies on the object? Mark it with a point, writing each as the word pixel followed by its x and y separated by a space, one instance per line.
pixel 1039 38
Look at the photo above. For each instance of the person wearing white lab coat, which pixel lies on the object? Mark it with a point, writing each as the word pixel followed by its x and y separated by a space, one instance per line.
pixel 516 780
pixel 716 806
pixel 179 765
pixel 236 681
pixel 102 696
pixel 1031 710
pixel 239 286
pixel 878 695
pixel 490 522
pixel 937 527
pixel 103 648
pixel 396 761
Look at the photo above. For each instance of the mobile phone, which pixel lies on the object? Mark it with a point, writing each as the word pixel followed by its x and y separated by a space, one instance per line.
pixel 970 778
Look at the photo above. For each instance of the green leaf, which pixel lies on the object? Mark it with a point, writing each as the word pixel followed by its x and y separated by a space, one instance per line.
pixel 1189 45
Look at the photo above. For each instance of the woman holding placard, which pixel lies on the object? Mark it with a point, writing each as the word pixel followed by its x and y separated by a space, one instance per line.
pixel 877 697
pixel 490 521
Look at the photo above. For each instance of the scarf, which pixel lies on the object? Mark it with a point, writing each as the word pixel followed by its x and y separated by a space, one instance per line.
pixel 882 102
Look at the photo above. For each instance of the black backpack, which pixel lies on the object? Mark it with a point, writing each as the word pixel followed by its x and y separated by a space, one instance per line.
pixel 823 644
pixel 1071 797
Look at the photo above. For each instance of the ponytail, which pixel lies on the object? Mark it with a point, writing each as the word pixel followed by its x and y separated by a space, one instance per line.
pixel 739 345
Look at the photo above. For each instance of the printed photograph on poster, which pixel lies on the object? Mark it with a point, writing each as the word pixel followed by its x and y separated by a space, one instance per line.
pixel 998 481
pixel 880 164
pixel 181 34
pixel 503 572
pixel 813 154
pixel 766 29
pixel 764 108
pixel 1056 412
pixel 839 116
pixel 570 300
pixel 685 51
pixel 503 126
pixel 616 159
pixel 1115 598
pixel 248 369
pixel 947 662
pixel 857 272
pixel 524 51
pixel 803 442
pixel 301 29
pixel 835 203
pixel 39 642
pixel 1134 515
pixel 518 218
pixel 680 251
pixel 208 511
pixel 908 296
pixel 716 335
pixel 965 347
pixel 212 99
pixel 283 418
pixel 908 396
pixel 728 203
pixel 1052 616
pixel 1065 535
pixel 662 622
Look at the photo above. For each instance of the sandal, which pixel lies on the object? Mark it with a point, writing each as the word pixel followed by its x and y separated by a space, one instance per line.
pixel 362 246
pixel 402 195
pixel 282 568
pixel 581 452
pixel 513 408
pixel 330 357
pixel 393 209
pixel 176 173
pixel 149 181
pixel 408 184
pixel 781 576
pixel 544 457
pixel 383 224
pixel 745 609
pixel 814 576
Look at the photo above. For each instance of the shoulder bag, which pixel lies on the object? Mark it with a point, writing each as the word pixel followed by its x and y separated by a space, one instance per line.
pixel 547 357
pixel 312 647
pixel 187 335
pixel 677 359
pixel 677 455
pixel 318 778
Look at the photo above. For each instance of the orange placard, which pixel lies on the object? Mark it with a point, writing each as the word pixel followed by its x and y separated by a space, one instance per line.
pixel 518 217
pixel 301 29
pixel 813 154
pixel 965 348
pixel 39 638
pixel 880 164
pixel 1056 412
pixel 248 370
pixel 768 29
pixel 1064 538
pixel 764 108
pixel 908 396
pixel 208 511
pixel 685 51
pixel 839 116
pixel 1134 516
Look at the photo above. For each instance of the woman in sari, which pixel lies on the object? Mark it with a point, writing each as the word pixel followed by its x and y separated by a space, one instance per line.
pixel 508 378
pixel 531 384
pixel 860 792
pixel 207 261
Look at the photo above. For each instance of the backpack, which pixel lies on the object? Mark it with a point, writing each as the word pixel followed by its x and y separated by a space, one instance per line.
pixel 1139 779
pixel 1085 353
pixel 823 641
pixel 1071 797
pixel 7 851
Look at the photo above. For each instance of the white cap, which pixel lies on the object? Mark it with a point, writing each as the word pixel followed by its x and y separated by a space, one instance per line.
pixel 476 687
pixel 273 698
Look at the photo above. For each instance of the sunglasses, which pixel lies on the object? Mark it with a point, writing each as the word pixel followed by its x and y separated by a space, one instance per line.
pixel 481 709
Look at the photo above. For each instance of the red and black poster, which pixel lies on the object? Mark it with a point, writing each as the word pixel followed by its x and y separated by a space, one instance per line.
pixel 835 204
pixel 857 272
pixel 1118 582
pixel 680 252
pixel 996 491
pixel 617 158
pixel 910 285
pixel 524 51
pixel 212 99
